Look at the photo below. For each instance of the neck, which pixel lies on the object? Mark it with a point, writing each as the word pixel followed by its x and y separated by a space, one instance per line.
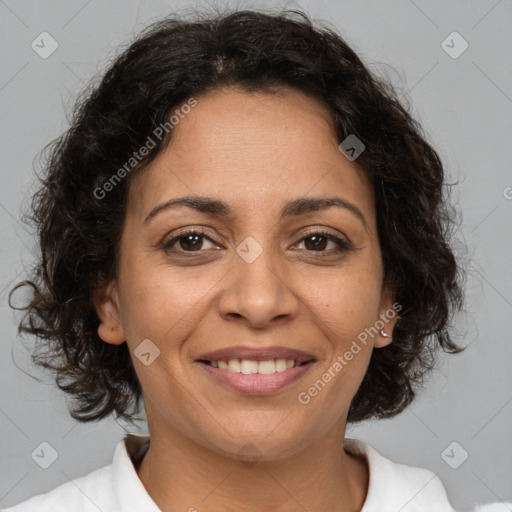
pixel 180 474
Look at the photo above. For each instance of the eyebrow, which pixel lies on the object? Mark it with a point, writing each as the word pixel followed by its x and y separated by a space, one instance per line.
pixel 221 209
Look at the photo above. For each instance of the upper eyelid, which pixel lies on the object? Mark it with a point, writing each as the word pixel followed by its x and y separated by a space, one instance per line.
pixel 310 230
pixel 168 240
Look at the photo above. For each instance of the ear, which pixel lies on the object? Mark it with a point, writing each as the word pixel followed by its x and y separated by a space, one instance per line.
pixel 388 316
pixel 106 303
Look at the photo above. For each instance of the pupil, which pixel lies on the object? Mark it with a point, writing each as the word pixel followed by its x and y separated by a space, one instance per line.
pixel 193 245
pixel 317 244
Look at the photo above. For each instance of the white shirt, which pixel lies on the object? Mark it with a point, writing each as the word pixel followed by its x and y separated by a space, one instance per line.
pixel 392 486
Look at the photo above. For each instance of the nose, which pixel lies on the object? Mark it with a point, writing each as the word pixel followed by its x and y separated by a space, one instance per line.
pixel 258 293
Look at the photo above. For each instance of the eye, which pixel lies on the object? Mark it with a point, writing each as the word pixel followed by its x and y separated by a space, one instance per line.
pixel 193 240
pixel 318 240
pixel 188 241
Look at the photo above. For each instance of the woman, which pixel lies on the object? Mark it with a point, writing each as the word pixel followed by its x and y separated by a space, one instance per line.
pixel 245 230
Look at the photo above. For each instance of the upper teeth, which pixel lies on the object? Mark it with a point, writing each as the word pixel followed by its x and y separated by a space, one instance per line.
pixel 248 366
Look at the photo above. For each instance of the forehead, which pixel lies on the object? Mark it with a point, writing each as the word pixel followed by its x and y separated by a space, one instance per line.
pixel 254 150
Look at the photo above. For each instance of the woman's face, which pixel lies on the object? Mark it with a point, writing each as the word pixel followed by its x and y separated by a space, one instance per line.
pixel 260 274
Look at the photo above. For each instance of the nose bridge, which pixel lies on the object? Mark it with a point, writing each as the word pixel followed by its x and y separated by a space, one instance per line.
pixel 257 289
pixel 257 265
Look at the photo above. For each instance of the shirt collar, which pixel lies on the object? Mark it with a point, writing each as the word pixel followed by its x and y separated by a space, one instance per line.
pixel 397 486
pixel 393 485
pixel 128 488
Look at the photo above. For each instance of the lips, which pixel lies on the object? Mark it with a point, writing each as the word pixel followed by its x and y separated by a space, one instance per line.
pixel 256 354
pixel 256 370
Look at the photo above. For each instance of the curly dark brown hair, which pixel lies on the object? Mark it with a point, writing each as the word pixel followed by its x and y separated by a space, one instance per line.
pixel 171 61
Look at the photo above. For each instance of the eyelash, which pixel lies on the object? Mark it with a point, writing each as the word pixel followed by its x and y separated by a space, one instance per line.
pixel 342 245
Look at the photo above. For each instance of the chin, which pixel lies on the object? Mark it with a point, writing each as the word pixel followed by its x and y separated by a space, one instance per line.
pixel 263 445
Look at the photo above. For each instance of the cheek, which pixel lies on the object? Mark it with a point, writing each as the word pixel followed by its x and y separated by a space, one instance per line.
pixel 163 303
pixel 346 301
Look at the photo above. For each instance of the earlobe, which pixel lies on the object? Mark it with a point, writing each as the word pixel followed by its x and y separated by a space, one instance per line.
pixel 106 304
pixel 383 338
pixel 388 316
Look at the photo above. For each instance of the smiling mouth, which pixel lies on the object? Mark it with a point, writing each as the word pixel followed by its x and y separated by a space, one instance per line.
pixel 248 366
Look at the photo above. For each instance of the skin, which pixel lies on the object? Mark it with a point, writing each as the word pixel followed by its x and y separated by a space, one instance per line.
pixel 255 152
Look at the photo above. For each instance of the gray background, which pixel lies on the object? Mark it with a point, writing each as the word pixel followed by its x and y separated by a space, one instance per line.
pixel 464 104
